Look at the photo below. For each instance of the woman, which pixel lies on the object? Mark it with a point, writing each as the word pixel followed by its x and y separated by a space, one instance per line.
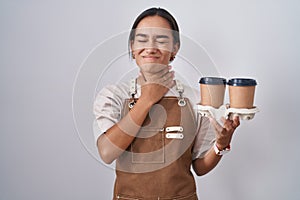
pixel 152 133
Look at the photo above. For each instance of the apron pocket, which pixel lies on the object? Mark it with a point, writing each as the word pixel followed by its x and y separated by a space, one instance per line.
pixel 149 149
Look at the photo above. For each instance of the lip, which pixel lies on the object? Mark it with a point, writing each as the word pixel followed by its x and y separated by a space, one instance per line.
pixel 150 57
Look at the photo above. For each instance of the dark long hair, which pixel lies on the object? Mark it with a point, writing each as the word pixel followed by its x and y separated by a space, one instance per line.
pixel 153 12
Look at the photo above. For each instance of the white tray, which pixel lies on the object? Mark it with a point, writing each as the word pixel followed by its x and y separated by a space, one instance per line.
pixel 217 113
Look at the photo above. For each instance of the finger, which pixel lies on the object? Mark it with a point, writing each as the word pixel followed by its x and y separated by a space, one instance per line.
pixel 228 125
pixel 167 76
pixel 164 70
pixel 217 126
pixel 170 84
pixel 166 80
pixel 223 120
pixel 160 74
pixel 236 121
pixel 162 79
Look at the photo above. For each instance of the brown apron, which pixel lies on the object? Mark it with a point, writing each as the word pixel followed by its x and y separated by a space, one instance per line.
pixel 157 163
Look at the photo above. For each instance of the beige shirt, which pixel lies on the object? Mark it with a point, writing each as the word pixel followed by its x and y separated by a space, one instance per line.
pixel 110 101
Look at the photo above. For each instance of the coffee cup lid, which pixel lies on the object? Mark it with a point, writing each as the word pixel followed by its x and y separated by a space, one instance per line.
pixel 213 81
pixel 241 82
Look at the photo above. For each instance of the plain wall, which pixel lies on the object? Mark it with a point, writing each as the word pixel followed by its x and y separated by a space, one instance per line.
pixel 43 154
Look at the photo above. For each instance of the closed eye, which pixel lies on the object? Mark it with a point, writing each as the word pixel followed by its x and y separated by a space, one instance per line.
pixel 142 40
pixel 162 42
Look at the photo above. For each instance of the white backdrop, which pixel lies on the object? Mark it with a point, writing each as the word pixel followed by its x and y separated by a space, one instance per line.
pixel 43 44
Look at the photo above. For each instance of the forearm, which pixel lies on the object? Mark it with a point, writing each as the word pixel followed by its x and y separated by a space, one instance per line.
pixel 116 139
pixel 204 165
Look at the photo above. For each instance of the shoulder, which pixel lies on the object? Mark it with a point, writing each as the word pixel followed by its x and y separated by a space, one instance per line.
pixel 111 96
pixel 119 90
pixel 192 94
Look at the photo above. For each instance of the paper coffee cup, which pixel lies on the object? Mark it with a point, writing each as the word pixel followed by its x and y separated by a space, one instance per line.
pixel 241 92
pixel 212 90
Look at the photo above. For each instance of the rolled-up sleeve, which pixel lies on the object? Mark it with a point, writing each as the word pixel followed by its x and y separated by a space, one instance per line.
pixel 205 138
pixel 107 110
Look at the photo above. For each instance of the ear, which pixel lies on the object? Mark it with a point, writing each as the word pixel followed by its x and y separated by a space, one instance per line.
pixel 174 52
pixel 131 49
pixel 131 45
pixel 175 49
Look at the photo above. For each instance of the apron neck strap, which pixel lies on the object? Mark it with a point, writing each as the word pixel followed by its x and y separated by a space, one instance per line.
pixel 133 87
pixel 179 89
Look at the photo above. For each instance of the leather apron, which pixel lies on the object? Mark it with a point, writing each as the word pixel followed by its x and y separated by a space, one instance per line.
pixel 157 163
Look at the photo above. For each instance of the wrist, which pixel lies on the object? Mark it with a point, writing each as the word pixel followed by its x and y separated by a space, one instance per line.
pixel 147 104
pixel 221 151
pixel 222 143
pixel 221 147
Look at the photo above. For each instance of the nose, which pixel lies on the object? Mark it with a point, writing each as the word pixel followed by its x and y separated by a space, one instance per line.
pixel 151 46
pixel 151 50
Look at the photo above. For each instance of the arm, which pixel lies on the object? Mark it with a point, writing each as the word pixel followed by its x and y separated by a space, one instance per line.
pixel 117 138
pixel 204 165
pixel 224 135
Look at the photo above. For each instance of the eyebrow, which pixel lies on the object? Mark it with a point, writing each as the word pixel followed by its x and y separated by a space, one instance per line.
pixel 157 36
pixel 141 35
pixel 162 36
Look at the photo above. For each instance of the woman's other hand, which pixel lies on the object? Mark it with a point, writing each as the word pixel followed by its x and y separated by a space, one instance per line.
pixel 224 133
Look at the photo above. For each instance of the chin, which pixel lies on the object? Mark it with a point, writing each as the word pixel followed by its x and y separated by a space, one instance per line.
pixel 155 62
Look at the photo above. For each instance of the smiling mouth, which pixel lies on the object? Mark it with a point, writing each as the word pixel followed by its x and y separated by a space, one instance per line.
pixel 150 57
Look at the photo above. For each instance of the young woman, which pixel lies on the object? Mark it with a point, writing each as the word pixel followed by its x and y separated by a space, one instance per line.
pixel 149 125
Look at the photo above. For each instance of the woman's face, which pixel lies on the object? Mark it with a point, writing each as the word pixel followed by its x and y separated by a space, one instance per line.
pixel 153 41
